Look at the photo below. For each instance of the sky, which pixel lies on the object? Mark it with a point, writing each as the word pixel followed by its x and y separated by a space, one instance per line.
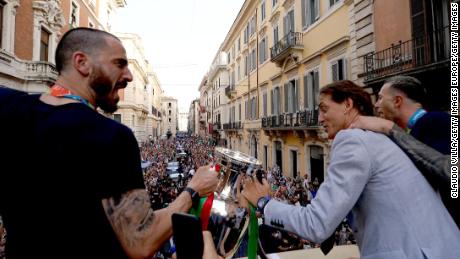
pixel 180 38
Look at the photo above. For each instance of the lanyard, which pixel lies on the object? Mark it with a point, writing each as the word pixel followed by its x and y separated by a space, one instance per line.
pixel 417 115
pixel 59 91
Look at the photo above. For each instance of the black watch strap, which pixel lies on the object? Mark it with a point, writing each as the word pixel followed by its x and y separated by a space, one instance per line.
pixel 195 196
pixel 262 202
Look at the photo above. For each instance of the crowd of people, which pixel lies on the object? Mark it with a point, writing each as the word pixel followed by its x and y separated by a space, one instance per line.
pixel 199 152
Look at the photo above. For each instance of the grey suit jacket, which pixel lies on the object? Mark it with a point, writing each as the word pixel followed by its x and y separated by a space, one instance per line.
pixel 397 214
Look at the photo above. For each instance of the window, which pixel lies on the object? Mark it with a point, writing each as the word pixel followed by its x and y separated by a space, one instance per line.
pixel 74 15
pixel 290 96
pixel 311 89
pixel 274 2
pixel 169 105
pixel 275 34
pixel 44 44
pixel 169 119
pixel 253 108
pixel 117 117
pixel 264 104
pixel 253 61
pixel 239 72
pixel 276 101
pixel 338 71
pixel 169 112
pixel 252 26
pixel 310 12
pixel 333 2
pixel 262 50
pixel 1 22
pixel 262 11
pixel 229 56
pixel 246 65
pixel 91 24
pixel 246 34
pixel 246 110
pixel 288 22
pixel 239 111
pixel 239 45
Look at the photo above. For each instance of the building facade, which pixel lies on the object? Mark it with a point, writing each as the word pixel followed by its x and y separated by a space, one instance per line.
pixel 30 31
pixel 193 125
pixel 418 45
pixel 279 55
pixel 183 119
pixel 170 110
pixel 138 108
pixel 205 109
pixel 218 78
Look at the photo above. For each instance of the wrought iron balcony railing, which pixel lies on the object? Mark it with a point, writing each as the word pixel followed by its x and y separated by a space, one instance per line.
pixel 414 53
pixel 298 120
pixel 290 40
pixel 230 90
pixel 232 125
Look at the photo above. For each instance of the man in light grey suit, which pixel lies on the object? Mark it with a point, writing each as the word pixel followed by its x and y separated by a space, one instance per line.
pixel 396 213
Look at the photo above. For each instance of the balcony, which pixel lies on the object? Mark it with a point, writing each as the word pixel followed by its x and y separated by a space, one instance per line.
pixel 417 53
pixel 232 126
pixel 41 71
pixel 217 126
pixel 302 120
pixel 289 45
pixel 230 91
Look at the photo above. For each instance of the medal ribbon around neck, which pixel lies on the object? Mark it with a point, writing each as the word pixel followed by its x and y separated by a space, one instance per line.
pixel 61 92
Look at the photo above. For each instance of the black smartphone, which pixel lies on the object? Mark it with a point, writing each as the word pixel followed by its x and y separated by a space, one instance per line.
pixel 187 236
pixel 260 175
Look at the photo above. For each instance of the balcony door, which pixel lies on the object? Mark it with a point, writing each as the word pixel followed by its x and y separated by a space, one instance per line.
pixel 317 163
pixel 279 155
pixel 430 19
pixel 254 146
pixel 288 22
pixel 311 89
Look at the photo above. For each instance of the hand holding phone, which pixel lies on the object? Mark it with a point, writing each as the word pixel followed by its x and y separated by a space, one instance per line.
pixel 188 236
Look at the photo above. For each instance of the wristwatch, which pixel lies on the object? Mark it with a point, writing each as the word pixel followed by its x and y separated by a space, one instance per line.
pixel 262 202
pixel 195 196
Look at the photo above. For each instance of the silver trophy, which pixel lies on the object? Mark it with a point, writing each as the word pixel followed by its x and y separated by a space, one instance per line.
pixel 229 218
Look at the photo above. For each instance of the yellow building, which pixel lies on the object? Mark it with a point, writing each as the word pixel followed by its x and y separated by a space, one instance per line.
pixel 280 52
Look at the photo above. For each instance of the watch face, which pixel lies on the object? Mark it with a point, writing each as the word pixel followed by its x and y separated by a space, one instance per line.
pixel 261 202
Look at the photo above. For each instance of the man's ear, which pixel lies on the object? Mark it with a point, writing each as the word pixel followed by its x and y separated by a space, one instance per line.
pixel 348 104
pixel 81 63
pixel 398 100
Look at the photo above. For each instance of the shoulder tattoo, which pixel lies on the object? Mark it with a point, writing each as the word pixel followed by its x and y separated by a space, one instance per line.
pixel 130 215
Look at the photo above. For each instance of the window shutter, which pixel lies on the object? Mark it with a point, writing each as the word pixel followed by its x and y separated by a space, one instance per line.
pixel 304 12
pixel 296 96
pixel 316 3
pixel 315 91
pixel 286 90
pixel 285 25
pixel 334 70
pixel 305 91
pixel 272 98
pixel 264 103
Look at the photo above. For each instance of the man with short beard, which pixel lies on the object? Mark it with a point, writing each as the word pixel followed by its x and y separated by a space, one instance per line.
pixel 81 180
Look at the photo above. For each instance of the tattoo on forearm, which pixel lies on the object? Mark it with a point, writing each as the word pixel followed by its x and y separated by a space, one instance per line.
pixel 130 216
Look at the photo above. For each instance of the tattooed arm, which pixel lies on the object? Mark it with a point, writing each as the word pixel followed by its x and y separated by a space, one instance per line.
pixel 141 230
